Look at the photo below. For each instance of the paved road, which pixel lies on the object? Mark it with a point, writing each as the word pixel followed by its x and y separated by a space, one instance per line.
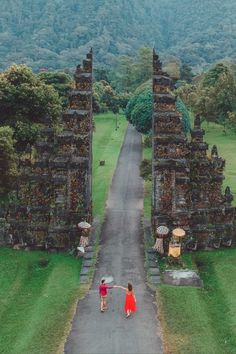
pixel 121 256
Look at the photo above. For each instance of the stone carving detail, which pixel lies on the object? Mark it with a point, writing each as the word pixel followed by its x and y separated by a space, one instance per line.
pixel 55 188
pixel 187 183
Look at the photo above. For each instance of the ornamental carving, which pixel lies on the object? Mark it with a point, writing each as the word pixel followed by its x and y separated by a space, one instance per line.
pixel 187 184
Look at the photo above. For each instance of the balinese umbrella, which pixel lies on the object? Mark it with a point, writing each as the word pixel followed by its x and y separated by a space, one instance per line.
pixel 162 230
pixel 178 232
pixel 81 249
pixel 84 225
pixel 108 279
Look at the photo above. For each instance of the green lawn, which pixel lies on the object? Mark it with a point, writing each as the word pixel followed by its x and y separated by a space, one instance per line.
pixel 107 142
pixel 226 148
pixel 36 300
pixel 202 321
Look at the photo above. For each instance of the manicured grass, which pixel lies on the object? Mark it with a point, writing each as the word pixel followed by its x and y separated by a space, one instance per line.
pixel 226 144
pixel 36 300
pixel 200 321
pixel 107 142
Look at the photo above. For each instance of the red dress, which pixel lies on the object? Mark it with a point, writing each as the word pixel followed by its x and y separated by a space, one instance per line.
pixel 130 303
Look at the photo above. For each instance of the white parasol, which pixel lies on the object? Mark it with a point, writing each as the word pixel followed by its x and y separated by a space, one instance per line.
pixel 84 225
pixel 108 279
pixel 81 249
pixel 162 230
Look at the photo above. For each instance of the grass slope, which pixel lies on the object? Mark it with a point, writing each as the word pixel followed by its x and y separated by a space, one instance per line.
pixel 107 142
pixel 202 321
pixel 35 301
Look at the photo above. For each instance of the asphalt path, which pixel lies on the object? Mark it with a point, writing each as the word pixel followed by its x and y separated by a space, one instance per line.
pixel 122 257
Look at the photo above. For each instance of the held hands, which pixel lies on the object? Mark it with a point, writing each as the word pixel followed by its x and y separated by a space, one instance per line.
pixel 120 287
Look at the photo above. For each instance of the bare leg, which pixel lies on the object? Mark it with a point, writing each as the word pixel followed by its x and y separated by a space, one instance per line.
pixel 128 314
pixel 102 304
pixel 105 307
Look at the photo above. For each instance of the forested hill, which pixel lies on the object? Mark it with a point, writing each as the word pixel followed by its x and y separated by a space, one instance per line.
pixel 56 34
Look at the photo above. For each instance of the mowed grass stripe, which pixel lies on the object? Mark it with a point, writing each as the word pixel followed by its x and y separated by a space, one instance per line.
pixel 107 142
pixel 185 323
pixel 200 321
pixel 47 306
pixel 36 314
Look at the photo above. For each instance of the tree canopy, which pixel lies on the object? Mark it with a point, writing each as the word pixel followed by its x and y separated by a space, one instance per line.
pixel 213 96
pixel 56 34
pixel 23 96
pixel 139 110
pixel 24 100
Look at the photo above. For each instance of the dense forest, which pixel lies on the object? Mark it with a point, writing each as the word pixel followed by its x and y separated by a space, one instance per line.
pixel 55 34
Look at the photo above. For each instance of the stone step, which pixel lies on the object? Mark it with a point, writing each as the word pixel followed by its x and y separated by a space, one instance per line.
pixel 84 279
pixel 151 251
pixel 155 279
pixel 182 277
pixel 88 263
pixel 154 271
pixel 89 249
pixel 152 257
pixel 152 263
pixel 88 255
pixel 84 271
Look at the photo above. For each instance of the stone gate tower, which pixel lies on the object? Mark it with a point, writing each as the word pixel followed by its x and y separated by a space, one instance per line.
pixel 187 182
pixel 170 152
pixel 55 186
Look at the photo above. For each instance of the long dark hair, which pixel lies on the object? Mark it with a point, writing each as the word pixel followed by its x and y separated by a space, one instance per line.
pixel 130 287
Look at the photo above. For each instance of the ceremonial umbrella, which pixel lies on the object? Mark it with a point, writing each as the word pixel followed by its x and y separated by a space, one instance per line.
pixel 81 249
pixel 162 230
pixel 178 232
pixel 108 279
pixel 84 225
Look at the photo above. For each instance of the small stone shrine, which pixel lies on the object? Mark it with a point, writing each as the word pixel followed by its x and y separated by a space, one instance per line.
pixel 187 183
pixel 55 185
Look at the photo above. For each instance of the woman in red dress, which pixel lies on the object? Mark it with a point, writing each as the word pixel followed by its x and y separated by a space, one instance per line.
pixel 130 299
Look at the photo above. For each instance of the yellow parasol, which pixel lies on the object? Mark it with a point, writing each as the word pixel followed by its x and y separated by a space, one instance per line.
pixel 178 232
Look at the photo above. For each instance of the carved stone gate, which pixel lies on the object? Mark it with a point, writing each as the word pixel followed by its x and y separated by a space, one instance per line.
pixel 55 185
pixel 187 183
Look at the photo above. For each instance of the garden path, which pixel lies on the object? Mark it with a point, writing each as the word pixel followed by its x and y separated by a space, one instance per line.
pixel 122 257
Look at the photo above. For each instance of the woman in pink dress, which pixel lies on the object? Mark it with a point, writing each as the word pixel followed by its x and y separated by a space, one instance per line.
pixel 130 299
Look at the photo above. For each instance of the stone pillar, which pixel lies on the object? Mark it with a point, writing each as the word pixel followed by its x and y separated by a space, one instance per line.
pixel 170 168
